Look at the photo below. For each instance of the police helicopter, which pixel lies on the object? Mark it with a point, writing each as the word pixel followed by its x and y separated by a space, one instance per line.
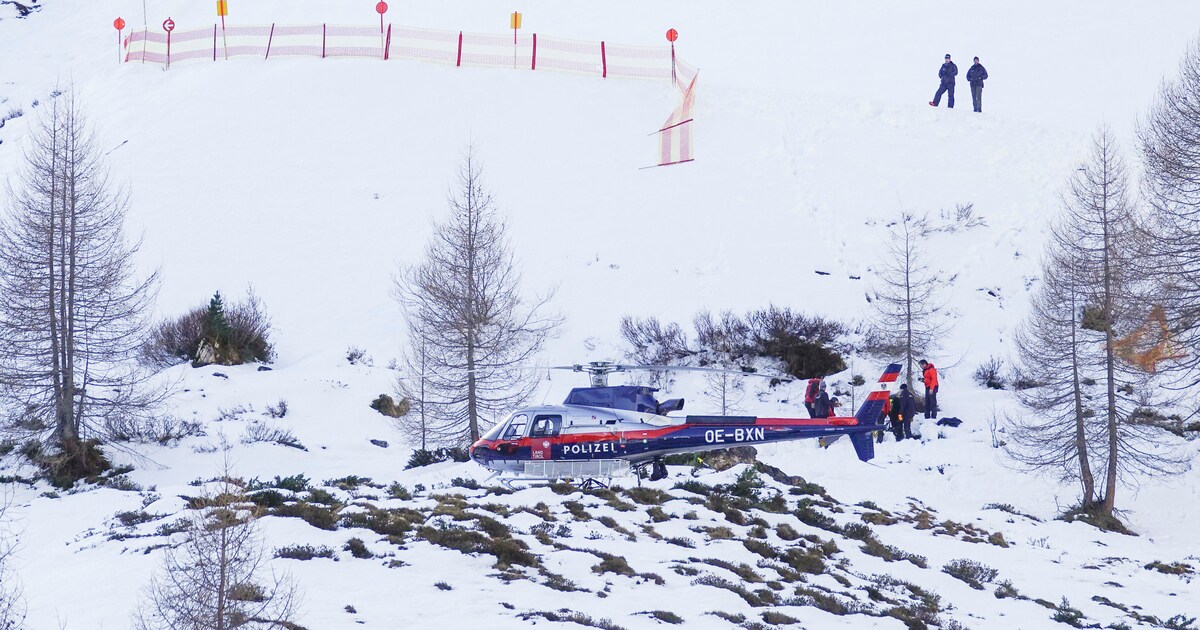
pixel 602 431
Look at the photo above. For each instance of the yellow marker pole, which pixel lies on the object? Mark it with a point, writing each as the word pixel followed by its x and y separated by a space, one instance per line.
pixel 515 23
pixel 223 10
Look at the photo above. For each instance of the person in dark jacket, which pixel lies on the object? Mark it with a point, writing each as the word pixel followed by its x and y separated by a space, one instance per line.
pixel 893 414
pixel 976 76
pixel 822 406
pixel 908 410
pixel 946 73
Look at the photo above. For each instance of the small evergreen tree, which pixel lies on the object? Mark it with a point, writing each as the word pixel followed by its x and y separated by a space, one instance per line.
pixel 216 324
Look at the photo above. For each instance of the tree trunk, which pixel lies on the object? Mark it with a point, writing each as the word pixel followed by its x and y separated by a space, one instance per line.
pixel 472 402
pixel 1085 466
pixel 1110 491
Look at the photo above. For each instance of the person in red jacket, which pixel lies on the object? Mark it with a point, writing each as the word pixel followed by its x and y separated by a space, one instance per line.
pixel 930 377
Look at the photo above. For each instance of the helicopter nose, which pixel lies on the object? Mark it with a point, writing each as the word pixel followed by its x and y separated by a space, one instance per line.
pixel 476 452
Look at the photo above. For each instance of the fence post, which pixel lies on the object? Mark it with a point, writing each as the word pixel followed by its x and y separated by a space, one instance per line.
pixel 459 62
pixel 603 62
pixel 214 42
pixel 322 41
pixel 387 48
pixel 533 66
pixel 270 37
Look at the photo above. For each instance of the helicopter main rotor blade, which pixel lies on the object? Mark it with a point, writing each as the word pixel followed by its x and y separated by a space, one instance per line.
pixel 688 368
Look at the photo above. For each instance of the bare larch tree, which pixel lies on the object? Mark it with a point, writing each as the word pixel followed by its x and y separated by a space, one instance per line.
pixel 1170 147
pixel 473 326
pixel 1062 419
pixel 72 312
pixel 1096 245
pixel 910 312
pixel 217 578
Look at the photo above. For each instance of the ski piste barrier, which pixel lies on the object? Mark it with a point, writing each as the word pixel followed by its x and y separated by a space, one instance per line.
pixel 533 52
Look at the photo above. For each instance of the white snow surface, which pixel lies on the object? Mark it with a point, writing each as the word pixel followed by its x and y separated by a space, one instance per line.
pixel 314 181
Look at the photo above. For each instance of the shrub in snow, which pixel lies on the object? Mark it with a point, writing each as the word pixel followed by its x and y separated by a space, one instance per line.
pixel 356 356
pixel 260 432
pixel 465 482
pixel 163 430
pixel 802 343
pixel 388 406
pixel 358 549
pixel 278 410
pixel 1065 613
pixel 990 373
pixel 423 457
pixel 219 334
pixel 976 574
pixel 304 552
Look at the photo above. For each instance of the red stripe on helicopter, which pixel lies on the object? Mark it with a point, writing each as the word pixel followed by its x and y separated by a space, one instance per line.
pixel 802 422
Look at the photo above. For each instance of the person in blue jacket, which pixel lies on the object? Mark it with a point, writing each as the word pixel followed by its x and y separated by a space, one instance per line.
pixel 976 76
pixel 946 73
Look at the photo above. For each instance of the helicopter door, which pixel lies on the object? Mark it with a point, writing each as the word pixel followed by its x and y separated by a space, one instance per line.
pixel 546 426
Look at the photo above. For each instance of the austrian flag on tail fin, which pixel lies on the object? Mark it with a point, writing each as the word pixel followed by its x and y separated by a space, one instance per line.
pixel 871 411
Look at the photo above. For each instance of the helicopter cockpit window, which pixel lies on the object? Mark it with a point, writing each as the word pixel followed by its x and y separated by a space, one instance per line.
pixel 516 427
pixel 546 426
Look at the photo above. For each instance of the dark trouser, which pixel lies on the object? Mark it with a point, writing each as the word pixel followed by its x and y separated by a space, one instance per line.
pixel 946 87
pixel 977 97
pixel 812 410
pixel 931 406
pixel 902 429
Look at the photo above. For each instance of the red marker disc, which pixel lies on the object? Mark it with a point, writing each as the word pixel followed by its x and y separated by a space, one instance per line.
pixel 381 8
pixel 672 35
pixel 118 24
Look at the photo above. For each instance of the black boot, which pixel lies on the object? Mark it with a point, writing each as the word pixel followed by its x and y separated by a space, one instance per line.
pixel 658 470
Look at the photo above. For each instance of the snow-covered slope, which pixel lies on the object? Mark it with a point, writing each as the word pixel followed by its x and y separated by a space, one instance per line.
pixel 314 180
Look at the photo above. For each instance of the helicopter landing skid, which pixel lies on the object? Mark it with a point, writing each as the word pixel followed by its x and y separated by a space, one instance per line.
pixel 589 483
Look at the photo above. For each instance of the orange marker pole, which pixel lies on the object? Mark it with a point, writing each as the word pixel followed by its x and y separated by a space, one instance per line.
pixel 515 23
pixel 223 10
pixel 119 24
pixel 381 7
pixel 672 35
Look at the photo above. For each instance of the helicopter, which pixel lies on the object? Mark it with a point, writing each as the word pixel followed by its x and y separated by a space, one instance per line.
pixel 603 431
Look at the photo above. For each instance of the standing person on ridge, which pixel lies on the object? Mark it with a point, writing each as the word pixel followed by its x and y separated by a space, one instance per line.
pixel 976 76
pixel 929 376
pixel 946 73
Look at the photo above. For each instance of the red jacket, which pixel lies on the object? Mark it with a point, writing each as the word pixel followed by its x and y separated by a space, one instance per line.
pixel 929 375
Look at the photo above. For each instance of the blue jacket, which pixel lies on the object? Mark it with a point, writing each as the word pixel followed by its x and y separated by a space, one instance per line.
pixel 908 405
pixel 977 75
pixel 947 73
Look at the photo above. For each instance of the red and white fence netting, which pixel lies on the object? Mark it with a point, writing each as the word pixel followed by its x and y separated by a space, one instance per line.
pixel 529 52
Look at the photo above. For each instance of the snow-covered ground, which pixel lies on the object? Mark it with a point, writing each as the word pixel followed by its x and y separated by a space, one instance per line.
pixel 315 180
